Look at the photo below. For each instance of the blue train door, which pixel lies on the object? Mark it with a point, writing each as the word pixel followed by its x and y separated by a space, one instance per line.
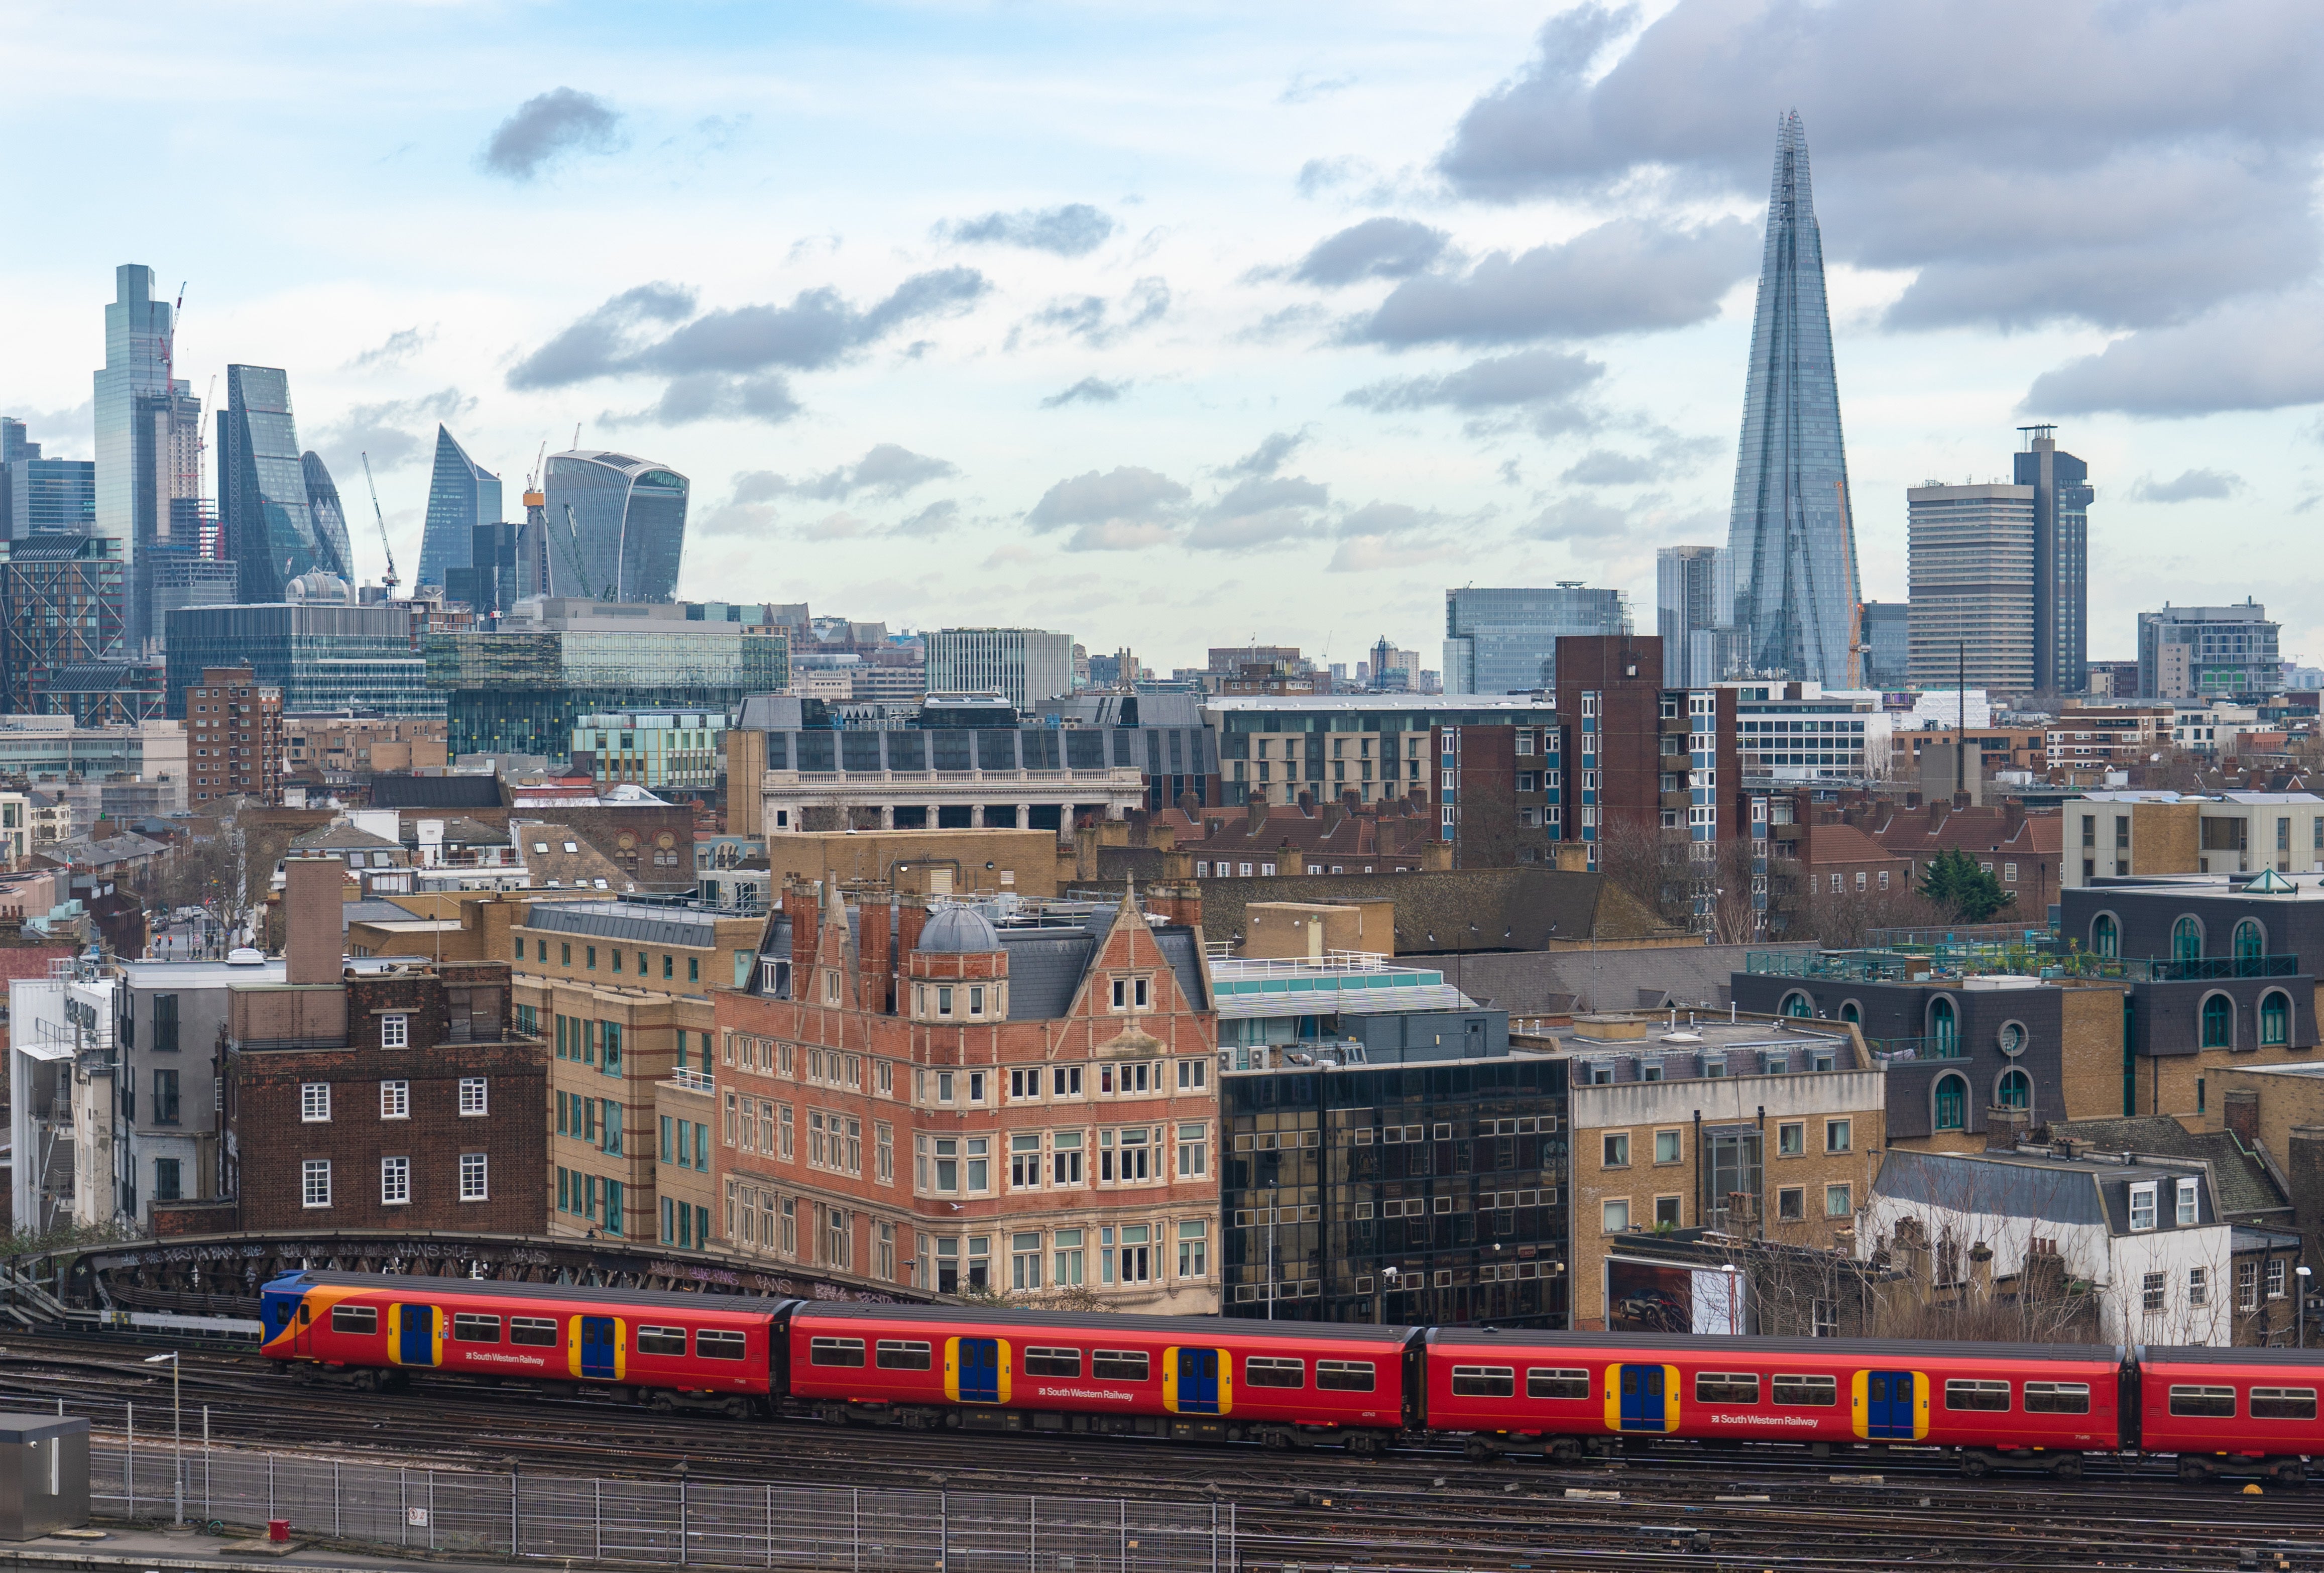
pixel 980 1371
pixel 1888 1400
pixel 418 1345
pixel 1198 1381
pixel 1642 1398
pixel 597 1347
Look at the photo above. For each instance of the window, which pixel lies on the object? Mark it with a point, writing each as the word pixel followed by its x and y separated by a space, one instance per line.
pixel 2186 941
pixel 720 1345
pixel 2210 1402
pixel 1983 1395
pixel 1051 1362
pixel 2218 1023
pixel 1065 1259
pixel 165 1097
pixel 1614 1216
pixel 1951 1103
pixel 354 1318
pixel 1797 1004
pixel 2188 1205
pixel 1065 1157
pixel 1837 1134
pixel 2141 1206
pixel 1118 1365
pixel 1666 1148
pixel 2198 1286
pixel 472 1096
pixel 1806 1392
pixel 1025 1260
pixel 395 1030
pixel 1791 1205
pixel 2284 1403
pixel 1726 1387
pixel 2105 934
pixel 394 1100
pixel 2247 1286
pixel 1792 1138
pixel 1194 1257
pixel 2275 1015
pixel 2057 1398
pixel 2152 1291
pixel 979 1162
pixel 2015 1090
pixel 166 1180
pixel 314 1102
pixel 1193 1151
pixel 661 1340
pixel 1484 1382
pixel 315 1183
pixel 540 1331
pixel 892 1354
pixel 1943 1028
pixel 2275 1279
pixel 1838 1201
pixel 1666 1210
pixel 1193 1075
pixel 472 1177
pixel 1618 1150
pixel 1557 1382
pixel 1267 1371
pixel 947 1164
pixel 1025 1162
pixel 841 1352
pixel 1065 1081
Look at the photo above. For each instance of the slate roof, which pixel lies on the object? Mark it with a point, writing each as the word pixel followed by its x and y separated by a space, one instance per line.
pixel 342 839
pixel 2021 1185
pixel 634 920
pixel 2242 1181
pixel 396 791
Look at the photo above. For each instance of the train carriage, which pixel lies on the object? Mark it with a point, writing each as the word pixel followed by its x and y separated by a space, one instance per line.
pixel 1193 1377
pixel 380 1327
pixel 1567 1393
pixel 2232 1410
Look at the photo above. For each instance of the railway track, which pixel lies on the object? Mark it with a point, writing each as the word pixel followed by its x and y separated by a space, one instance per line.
pixel 1678 1506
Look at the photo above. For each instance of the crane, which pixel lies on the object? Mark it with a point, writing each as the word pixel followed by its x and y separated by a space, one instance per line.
pixel 387 579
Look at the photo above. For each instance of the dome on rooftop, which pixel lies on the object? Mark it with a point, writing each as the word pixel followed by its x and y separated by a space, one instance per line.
pixel 315 587
pixel 960 929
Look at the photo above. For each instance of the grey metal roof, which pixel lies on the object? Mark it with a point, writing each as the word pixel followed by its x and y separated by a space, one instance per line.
pixel 2245 1185
pixel 2020 1185
pixel 1366 1002
pixel 625 921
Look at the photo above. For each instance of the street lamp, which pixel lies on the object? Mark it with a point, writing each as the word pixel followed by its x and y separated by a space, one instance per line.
pixel 2301 1314
pixel 1389 1276
pixel 177 1431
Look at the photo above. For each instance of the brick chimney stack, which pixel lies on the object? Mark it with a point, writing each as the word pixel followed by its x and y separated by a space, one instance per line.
pixel 314 932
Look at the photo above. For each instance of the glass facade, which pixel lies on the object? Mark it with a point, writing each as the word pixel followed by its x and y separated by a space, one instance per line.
pixel 323 657
pixel 461 494
pixel 628 519
pixel 263 508
pixel 323 504
pixel 2061 545
pixel 61 603
pixel 1426 1194
pixel 1694 599
pixel 1792 533
pixel 1505 642
pixel 51 497
pixel 526 691
pixel 136 356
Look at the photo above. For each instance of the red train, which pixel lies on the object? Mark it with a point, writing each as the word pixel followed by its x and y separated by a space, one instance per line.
pixel 1560 1395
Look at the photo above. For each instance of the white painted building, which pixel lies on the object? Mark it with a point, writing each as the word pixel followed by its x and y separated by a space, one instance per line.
pixel 61 1103
pixel 2144 1232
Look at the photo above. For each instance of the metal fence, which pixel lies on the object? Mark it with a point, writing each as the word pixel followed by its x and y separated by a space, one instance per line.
pixel 671 1522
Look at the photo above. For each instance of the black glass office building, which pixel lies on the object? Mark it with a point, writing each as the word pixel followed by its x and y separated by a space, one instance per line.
pixel 264 507
pixel 1426 1193
pixel 461 494
pixel 627 516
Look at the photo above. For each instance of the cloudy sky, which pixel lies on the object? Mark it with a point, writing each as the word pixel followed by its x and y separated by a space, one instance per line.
pixel 1173 325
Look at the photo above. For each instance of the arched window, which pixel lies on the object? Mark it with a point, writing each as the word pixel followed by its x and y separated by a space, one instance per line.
pixel 1944 1031
pixel 1796 1004
pixel 2250 944
pixel 2218 1023
pixel 2186 940
pixel 2274 1018
pixel 2105 936
pixel 2015 1090
pixel 1952 1103
pixel 1851 1012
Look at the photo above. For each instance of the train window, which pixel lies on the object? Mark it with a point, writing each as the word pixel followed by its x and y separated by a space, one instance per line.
pixel 1726 1387
pixel 662 1341
pixel 1807 1392
pixel 1484 1382
pixel 1547 1382
pixel 354 1318
pixel 2203 1401
pixel 1346 1376
pixel 2284 1403
pixel 893 1354
pixel 1119 1365
pixel 539 1330
pixel 1264 1371
pixel 1053 1361
pixel 471 1329
pixel 2057 1398
pixel 1966 1394
pixel 719 1346
pixel 834 1351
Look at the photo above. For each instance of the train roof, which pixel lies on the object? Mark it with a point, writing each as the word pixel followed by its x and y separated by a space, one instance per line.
pixel 1129 1326
pixel 2202 1355
pixel 1899 1349
pixel 418 1284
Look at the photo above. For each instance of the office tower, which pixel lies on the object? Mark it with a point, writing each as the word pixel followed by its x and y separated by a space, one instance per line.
pixel 1886 645
pixel 2197 653
pixel 461 494
pixel 40 495
pixel 148 474
pixel 1505 642
pixel 487 583
pixel 62 604
pixel 1792 532
pixel 627 519
pixel 263 510
pixel 1024 665
pixel 329 516
pixel 1970 573
pixel 2061 504
pixel 1694 604
pixel 324 652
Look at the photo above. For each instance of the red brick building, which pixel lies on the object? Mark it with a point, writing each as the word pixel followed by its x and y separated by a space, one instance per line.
pixel 395 1096
pixel 234 737
pixel 911 1093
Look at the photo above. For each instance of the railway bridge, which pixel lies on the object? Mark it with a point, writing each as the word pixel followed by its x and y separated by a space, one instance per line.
pixel 188 1279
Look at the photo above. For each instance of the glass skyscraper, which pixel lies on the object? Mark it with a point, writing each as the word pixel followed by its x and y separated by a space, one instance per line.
pixel 40 495
pixel 263 508
pixel 1694 597
pixel 1793 534
pixel 149 480
pixel 2061 550
pixel 323 504
pixel 461 494
pixel 628 519
pixel 1505 642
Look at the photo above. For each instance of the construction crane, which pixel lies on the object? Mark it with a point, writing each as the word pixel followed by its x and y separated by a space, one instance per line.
pixel 387 579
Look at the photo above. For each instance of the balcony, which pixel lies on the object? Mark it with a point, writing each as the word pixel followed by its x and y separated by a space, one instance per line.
pixel 692 1081
pixel 1890 1052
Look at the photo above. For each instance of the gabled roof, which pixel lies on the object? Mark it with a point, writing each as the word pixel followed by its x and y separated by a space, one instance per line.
pixel 2242 1179
pixel 342 839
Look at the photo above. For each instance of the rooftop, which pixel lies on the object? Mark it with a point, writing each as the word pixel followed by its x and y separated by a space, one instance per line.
pixel 641 920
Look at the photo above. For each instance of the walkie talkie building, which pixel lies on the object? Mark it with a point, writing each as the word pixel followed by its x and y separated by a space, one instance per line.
pixel 627 524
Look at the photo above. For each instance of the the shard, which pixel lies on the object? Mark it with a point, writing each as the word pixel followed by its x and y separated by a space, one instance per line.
pixel 1791 535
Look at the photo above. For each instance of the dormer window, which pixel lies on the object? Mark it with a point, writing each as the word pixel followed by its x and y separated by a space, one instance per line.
pixel 2142 1207
pixel 2187 1212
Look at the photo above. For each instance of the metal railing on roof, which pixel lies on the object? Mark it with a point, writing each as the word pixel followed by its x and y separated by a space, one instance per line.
pixel 1891 1052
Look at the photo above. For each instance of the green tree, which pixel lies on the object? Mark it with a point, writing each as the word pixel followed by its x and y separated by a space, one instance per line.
pixel 1956 884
